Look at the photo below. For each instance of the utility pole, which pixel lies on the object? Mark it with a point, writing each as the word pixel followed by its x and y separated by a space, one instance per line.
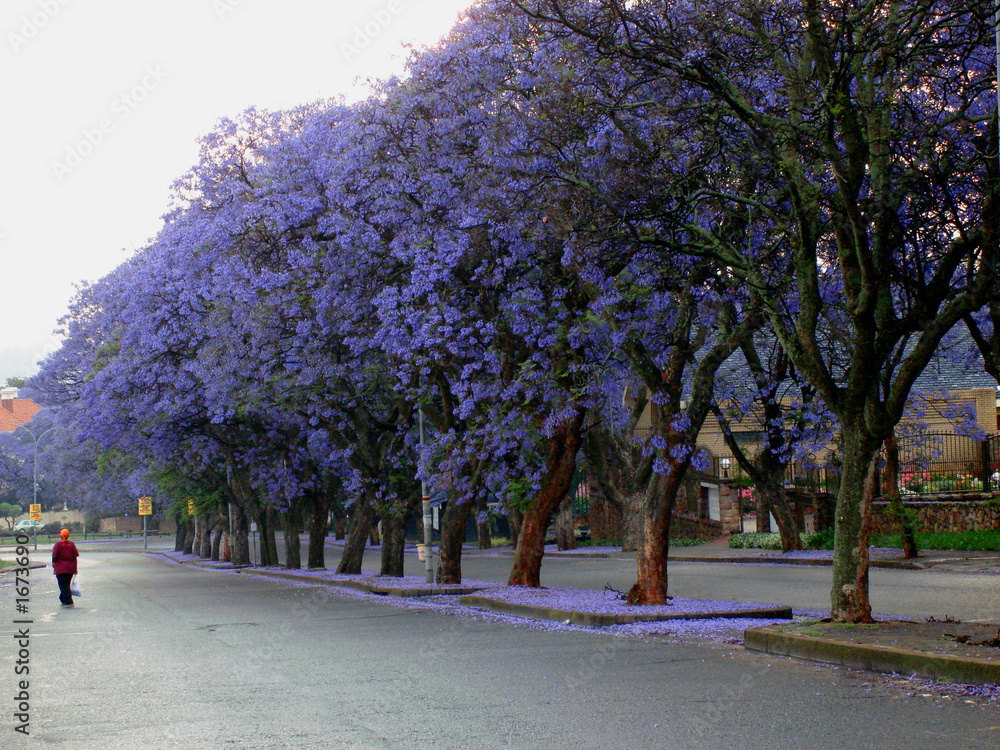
pixel 428 518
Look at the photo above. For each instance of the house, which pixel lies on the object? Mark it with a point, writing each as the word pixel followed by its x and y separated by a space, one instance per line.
pixel 15 411
pixel 950 396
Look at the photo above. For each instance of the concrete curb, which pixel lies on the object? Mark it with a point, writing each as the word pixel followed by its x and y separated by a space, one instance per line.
pixel 33 566
pixel 944 667
pixel 401 591
pixel 368 588
pixel 596 619
pixel 764 560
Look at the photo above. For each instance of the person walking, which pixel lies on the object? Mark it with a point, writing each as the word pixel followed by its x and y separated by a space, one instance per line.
pixel 64 554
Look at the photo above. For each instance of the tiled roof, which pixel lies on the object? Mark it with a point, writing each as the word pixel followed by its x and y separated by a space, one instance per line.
pixel 15 412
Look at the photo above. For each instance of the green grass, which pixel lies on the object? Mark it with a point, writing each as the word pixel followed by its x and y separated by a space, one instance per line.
pixel 6 564
pixel 986 541
pixel 956 540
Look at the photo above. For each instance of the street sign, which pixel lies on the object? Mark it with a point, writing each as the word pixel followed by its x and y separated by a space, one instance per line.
pixel 145 506
pixel 190 507
pixel 35 512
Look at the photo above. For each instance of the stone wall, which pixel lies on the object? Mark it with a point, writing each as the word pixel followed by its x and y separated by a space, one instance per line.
pixel 941 514
pixel 122 524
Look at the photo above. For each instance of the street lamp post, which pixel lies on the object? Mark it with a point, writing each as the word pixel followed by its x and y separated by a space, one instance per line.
pixel 34 469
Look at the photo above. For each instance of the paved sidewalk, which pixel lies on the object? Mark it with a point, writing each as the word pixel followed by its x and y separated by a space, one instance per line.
pixel 967 653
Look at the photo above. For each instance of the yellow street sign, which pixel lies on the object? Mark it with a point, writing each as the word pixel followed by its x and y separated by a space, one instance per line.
pixel 35 512
pixel 145 506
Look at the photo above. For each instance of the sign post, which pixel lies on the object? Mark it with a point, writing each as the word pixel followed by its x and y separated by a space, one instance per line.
pixel 145 509
pixel 35 514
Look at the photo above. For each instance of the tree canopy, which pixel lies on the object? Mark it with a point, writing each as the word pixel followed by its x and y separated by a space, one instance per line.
pixel 563 199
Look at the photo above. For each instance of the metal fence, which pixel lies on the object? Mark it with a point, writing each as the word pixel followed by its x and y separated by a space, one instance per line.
pixel 946 462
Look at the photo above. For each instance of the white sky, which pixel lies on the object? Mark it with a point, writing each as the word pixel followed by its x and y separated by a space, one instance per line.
pixel 73 68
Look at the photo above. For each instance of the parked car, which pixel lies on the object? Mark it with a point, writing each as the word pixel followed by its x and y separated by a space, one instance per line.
pixel 28 525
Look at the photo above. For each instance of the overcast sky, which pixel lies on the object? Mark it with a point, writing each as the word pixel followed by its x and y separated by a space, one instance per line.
pixel 105 100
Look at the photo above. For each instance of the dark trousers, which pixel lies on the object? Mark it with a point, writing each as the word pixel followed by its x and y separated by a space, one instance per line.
pixel 64 581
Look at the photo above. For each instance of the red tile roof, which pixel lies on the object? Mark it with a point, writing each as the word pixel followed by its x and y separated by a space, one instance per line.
pixel 15 412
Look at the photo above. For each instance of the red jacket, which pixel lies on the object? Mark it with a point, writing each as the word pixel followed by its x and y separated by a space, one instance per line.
pixel 64 554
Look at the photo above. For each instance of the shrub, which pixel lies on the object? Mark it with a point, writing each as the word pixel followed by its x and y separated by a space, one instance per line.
pixel 755 540
pixel 818 540
pixel 772 540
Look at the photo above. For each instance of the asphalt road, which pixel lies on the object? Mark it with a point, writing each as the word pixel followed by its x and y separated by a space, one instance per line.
pixel 160 656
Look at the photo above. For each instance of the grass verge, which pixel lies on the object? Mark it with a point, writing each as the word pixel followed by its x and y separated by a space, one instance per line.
pixel 984 541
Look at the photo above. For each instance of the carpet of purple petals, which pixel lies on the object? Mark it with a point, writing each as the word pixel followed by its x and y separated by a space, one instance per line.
pixel 608 602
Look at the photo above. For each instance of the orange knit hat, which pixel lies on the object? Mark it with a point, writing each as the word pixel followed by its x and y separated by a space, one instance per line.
pixel 64 533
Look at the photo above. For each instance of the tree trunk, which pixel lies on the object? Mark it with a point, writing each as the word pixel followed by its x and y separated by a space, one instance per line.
pixel 849 594
pixel 654 546
pixel 631 530
pixel 763 511
pixel 242 505
pixel 206 538
pixel 293 548
pixel 354 549
pixel 565 535
pixel 777 501
pixel 226 548
pixel 268 543
pixel 454 521
pixel 241 537
pixel 483 525
pixel 317 531
pixel 217 540
pixel 514 519
pixel 896 508
pixel 179 537
pixel 189 537
pixel 560 466
pixel 393 543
